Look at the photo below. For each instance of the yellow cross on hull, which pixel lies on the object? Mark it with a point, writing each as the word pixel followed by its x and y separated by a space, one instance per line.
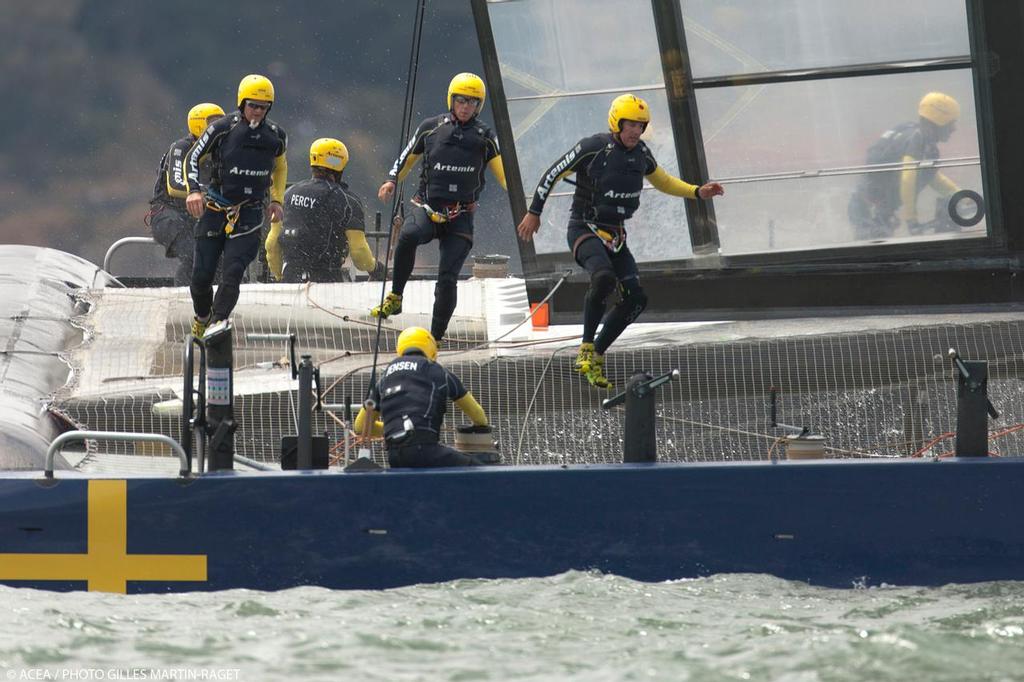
pixel 106 566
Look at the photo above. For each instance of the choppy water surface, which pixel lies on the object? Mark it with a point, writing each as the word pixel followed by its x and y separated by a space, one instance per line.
pixel 576 626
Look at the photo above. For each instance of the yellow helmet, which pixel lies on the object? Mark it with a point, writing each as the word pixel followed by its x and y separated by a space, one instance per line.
pixel 418 338
pixel 199 115
pixel 328 153
pixel 468 85
pixel 939 108
pixel 255 86
pixel 627 108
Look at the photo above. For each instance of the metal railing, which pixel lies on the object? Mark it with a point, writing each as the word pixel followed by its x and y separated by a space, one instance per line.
pixel 193 402
pixel 122 242
pixel 60 441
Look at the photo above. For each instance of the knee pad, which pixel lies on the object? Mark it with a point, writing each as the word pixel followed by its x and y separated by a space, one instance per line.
pixel 602 283
pixel 637 302
pixel 202 279
pixel 408 238
pixel 233 270
pixel 445 285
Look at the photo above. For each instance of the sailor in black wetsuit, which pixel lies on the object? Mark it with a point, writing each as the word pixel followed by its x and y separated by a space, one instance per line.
pixel 248 152
pixel 882 200
pixel 456 147
pixel 169 221
pixel 610 170
pixel 323 223
pixel 412 397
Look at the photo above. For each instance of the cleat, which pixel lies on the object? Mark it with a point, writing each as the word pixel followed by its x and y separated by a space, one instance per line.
pixel 595 374
pixel 584 357
pixel 392 305
pixel 199 326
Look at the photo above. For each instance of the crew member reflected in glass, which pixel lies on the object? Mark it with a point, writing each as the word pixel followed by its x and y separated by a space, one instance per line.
pixel 456 147
pixel 324 222
pixel 883 200
pixel 248 152
pixel 610 169
pixel 168 220
pixel 412 398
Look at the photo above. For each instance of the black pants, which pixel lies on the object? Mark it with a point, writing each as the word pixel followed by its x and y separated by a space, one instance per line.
pixel 423 455
pixel 608 270
pixel 172 229
pixel 870 219
pixel 455 239
pixel 211 245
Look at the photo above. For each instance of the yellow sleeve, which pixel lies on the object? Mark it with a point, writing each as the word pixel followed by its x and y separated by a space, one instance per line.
pixel 471 407
pixel 376 431
pixel 280 178
pixel 498 170
pixel 175 174
pixel 908 190
pixel 174 190
pixel 943 185
pixel 359 249
pixel 663 182
pixel 410 161
pixel 275 259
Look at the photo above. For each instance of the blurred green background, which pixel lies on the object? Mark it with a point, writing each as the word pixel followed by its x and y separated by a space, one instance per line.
pixel 96 91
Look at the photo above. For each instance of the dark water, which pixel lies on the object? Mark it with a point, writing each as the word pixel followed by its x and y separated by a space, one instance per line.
pixel 575 626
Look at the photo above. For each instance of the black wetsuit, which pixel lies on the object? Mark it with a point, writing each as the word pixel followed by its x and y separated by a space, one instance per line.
pixel 317 212
pixel 454 158
pixel 243 164
pixel 609 180
pixel 874 204
pixel 412 397
pixel 169 222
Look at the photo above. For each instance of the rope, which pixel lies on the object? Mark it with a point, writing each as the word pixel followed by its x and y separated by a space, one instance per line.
pixel 533 399
pixel 526 319
pixel 396 201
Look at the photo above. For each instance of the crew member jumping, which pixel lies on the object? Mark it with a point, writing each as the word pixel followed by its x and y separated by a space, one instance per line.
pixel 610 170
pixel 248 152
pixel 456 147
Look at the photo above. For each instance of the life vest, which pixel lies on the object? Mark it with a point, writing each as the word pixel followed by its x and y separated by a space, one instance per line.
pixel 617 179
pixel 883 188
pixel 412 387
pixel 244 160
pixel 454 159
pixel 315 219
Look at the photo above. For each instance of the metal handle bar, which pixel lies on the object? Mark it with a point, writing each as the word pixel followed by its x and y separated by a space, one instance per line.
pixel 64 438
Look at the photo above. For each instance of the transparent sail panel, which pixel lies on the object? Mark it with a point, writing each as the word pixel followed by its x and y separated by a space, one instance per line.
pixel 748 36
pixel 795 156
pixel 551 46
pixel 562 63
pixel 814 139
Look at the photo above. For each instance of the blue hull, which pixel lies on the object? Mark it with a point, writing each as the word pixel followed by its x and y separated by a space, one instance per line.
pixel 833 523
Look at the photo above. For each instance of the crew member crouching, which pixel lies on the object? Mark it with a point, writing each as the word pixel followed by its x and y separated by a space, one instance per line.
pixel 412 397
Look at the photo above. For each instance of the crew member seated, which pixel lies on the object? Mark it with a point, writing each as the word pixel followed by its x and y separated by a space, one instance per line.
pixel 323 223
pixel 412 397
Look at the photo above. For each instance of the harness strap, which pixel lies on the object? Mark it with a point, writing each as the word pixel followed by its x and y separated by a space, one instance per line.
pixel 154 210
pixel 215 202
pixel 447 213
pixel 613 239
